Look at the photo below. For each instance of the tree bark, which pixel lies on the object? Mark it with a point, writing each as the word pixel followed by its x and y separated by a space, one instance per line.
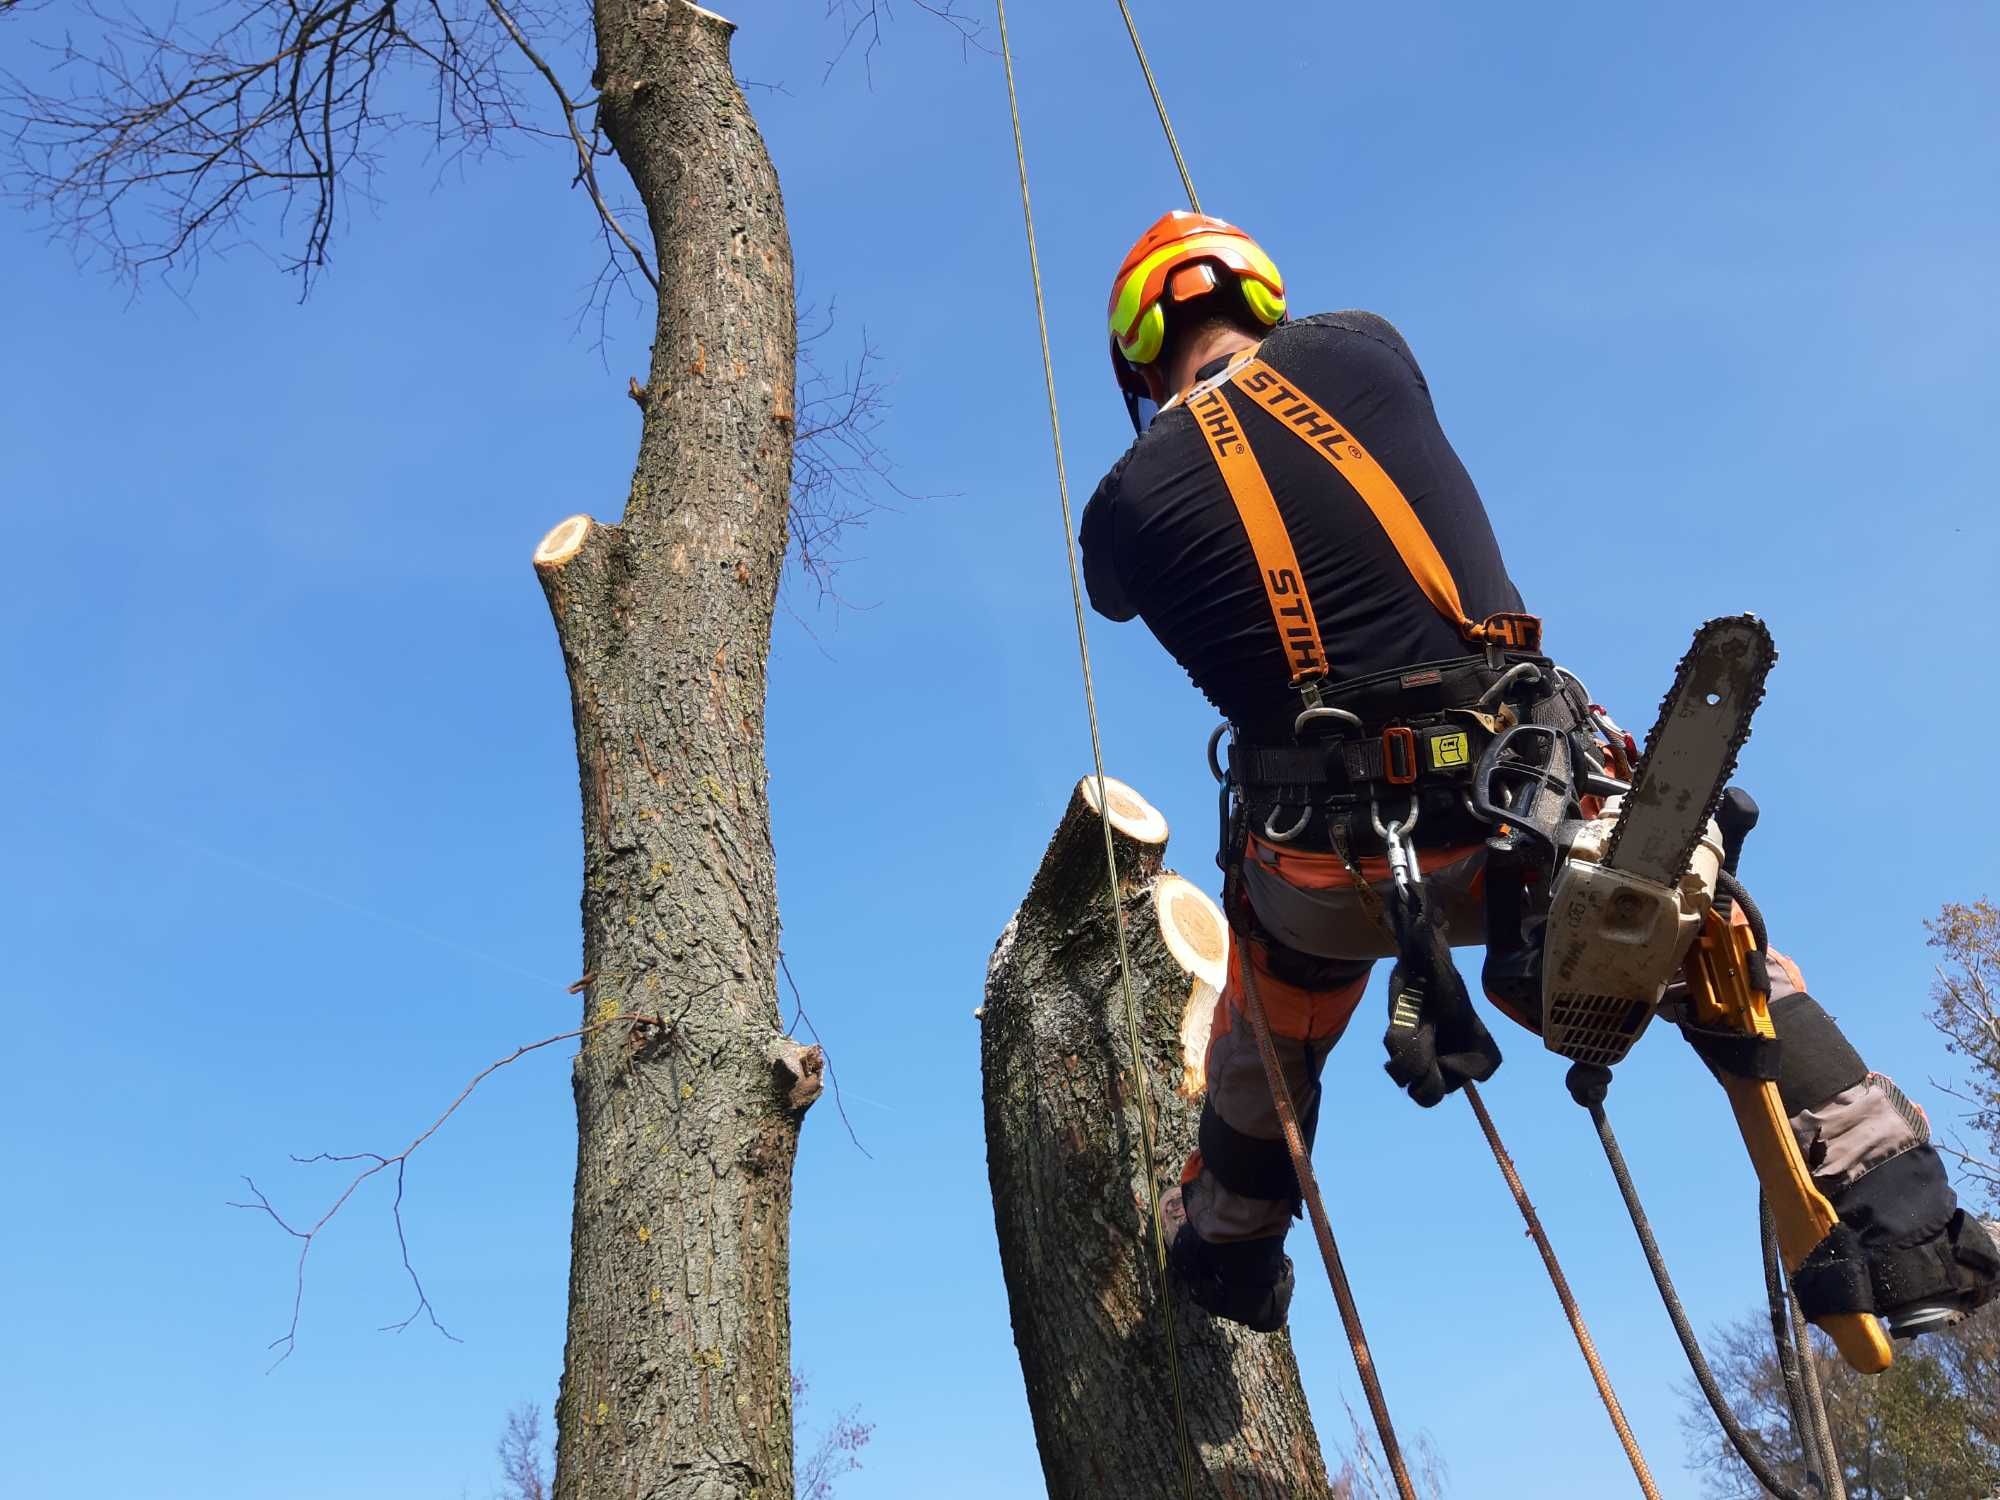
pixel 1064 1155
pixel 676 1375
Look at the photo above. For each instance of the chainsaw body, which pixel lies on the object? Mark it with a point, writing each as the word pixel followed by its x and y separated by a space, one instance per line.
pixel 1614 940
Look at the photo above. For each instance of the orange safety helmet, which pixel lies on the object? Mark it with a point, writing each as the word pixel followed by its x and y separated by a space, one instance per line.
pixel 1183 256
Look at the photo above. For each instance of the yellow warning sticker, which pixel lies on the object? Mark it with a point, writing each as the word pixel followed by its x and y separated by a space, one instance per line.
pixel 1450 750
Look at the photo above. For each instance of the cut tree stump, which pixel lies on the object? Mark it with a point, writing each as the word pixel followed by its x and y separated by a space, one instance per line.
pixel 1063 1153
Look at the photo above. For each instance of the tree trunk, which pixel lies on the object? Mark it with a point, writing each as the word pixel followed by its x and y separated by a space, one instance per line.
pixel 676 1376
pixel 1063 1152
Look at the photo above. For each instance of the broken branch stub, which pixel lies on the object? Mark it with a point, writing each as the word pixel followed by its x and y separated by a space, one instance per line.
pixel 1069 1201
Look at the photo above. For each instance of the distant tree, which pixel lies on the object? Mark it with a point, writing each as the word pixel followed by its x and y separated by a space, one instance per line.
pixel 1965 1008
pixel 1364 1476
pixel 1926 1428
pixel 836 1453
pixel 524 1471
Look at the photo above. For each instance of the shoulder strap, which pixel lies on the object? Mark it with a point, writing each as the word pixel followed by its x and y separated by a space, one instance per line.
pixel 1332 441
pixel 1277 565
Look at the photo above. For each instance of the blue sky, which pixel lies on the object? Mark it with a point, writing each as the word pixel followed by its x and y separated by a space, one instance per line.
pixel 1706 297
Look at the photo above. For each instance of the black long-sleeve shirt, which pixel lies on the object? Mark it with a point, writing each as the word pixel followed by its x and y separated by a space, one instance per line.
pixel 1162 539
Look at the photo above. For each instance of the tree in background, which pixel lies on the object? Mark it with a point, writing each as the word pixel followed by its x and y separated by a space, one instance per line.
pixel 1926 1428
pixel 1364 1476
pixel 524 1471
pixel 154 136
pixel 836 1452
pixel 1965 1008
pixel 1930 1427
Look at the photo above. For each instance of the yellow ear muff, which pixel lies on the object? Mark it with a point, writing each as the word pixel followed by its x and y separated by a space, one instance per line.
pixel 1267 305
pixel 1148 334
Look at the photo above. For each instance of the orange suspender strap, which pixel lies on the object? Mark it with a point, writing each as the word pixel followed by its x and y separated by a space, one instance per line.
pixel 1277 564
pixel 1332 441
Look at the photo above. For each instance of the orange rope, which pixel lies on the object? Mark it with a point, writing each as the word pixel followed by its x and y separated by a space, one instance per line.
pixel 1563 1294
pixel 1329 1252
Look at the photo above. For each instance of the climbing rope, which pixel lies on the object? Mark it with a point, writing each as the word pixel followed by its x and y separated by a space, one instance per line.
pixel 1584 1087
pixel 1795 1364
pixel 1149 1166
pixel 1329 1252
pixel 1563 1294
pixel 1160 104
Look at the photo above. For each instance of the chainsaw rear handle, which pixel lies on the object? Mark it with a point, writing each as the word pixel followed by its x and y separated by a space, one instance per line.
pixel 1721 996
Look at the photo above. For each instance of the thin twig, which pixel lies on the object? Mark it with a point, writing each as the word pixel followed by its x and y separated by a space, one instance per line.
pixel 832 1077
pixel 586 168
pixel 288 1340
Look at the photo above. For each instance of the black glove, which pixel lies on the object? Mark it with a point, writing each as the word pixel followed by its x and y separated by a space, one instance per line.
pixel 1436 1041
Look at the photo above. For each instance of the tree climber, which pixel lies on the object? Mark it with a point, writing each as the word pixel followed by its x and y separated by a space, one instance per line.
pixel 1293 526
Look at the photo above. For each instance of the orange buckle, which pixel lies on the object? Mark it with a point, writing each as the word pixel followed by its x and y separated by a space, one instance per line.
pixel 1399 755
pixel 1514 632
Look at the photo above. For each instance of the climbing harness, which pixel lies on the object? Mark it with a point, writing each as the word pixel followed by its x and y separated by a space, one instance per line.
pixel 1498 747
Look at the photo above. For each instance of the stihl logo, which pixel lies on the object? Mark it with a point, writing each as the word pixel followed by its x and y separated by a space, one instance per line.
pixel 1288 602
pixel 1289 406
pixel 1218 422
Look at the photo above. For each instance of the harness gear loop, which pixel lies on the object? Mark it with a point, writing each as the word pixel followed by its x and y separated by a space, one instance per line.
pixel 1141 1079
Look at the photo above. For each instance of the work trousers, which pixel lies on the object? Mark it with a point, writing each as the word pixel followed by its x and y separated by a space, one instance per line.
pixel 1318 943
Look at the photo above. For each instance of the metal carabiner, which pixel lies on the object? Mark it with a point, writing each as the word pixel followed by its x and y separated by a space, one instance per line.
pixel 1314 715
pixel 1271 834
pixel 1493 696
pixel 1404 871
pixel 1214 744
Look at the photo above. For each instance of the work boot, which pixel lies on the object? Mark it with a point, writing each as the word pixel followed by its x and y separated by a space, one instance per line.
pixel 1245 1281
pixel 1925 1287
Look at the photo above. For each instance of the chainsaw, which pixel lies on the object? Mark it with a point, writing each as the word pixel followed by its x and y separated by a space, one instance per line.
pixel 1633 904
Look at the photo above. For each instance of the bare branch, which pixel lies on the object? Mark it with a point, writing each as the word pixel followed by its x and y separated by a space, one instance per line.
pixel 155 139
pixel 836 1452
pixel 1965 1008
pixel 832 1077
pixel 643 1028
pixel 586 151
pixel 861 21
pixel 840 469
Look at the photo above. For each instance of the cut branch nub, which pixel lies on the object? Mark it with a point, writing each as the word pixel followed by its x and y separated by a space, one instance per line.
pixel 564 541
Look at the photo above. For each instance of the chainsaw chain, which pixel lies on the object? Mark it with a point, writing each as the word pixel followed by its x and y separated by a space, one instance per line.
pixel 1766 650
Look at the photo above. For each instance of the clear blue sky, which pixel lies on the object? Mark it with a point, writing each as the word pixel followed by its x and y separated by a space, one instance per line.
pixel 289 847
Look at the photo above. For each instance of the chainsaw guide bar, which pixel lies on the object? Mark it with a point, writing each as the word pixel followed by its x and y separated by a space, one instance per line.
pixel 1689 756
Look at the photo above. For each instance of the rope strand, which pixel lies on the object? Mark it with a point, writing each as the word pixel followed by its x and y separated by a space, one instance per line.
pixel 1563 1294
pixel 1149 1166
pixel 1160 104
pixel 1329 1252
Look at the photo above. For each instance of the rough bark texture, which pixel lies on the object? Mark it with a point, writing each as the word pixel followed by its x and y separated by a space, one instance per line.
pixel 1063 1153
pixel 676 1374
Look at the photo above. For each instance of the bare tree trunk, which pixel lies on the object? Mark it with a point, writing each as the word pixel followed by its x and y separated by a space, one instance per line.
pixel 676 1377
pixel 1063 1152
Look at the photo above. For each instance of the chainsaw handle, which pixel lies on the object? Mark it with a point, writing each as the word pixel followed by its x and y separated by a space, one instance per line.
pixel 1736 816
